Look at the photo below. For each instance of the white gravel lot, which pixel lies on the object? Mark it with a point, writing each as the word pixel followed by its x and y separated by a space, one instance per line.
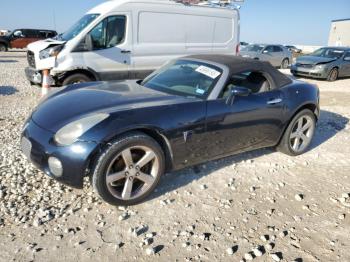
pixel 261 206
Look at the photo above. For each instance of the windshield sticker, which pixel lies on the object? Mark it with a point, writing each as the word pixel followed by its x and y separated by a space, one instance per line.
pixel 212 73
pixel 200 91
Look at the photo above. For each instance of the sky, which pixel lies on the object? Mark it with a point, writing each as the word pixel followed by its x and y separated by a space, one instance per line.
pixel 304 22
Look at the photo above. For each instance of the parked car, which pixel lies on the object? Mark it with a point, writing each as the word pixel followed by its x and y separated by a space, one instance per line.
pixel 21 38
pixel 325 63
pixel 277 55
pixel 140 37
pixel 126 134
pixel 243 44
pixel 293 49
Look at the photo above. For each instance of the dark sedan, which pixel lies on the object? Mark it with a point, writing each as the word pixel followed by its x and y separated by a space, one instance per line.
pixel 125 135
pixel 325 63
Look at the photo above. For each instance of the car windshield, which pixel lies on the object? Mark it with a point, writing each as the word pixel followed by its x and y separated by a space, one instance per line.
pixel 78 27
pixel 253 48
pixel 185 78
pixel 328 53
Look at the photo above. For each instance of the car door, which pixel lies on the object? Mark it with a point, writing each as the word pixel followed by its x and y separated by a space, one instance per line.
pixel 345 68
pixel 111 47
pixel 278 55
pixel 18 39
pixel 250 122
pixel 268 54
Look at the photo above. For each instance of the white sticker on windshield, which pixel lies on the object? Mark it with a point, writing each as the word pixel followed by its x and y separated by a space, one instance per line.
pixel 200 91
pixel 212 73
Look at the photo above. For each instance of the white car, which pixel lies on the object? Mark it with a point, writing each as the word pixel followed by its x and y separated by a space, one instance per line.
pixel 128 39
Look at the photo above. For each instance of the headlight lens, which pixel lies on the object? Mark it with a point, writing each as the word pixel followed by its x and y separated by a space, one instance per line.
pixel 71 132
pixel 50 52
pixel 320 66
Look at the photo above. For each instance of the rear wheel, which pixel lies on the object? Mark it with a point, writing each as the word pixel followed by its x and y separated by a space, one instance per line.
pixel 298 135
pixel 333 75
pixel 129 169
pixel 285 63
pixel 76 79
pixel 3 48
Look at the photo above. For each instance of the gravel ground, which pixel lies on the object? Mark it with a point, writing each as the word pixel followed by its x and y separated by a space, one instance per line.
pixel 261 206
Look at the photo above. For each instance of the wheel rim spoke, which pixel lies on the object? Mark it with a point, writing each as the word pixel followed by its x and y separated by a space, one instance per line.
pixel 293 135
pixel 115 177
pixel 304 138
pixel 148 179
pixel 149 156
pixel 300 123
pixel 306 126
pixel 296 143
pixel 127 189
pixel 127 157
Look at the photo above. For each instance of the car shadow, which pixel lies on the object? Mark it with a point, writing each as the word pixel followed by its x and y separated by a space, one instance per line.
pixel 328 126
pixel 8 61
pixel 7 90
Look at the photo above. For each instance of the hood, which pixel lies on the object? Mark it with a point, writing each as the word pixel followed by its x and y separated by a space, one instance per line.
pixel 77 101
pixel 251 54
pixel 43 44
pixel 314 60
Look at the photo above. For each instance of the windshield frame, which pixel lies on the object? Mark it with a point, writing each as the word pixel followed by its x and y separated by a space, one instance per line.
pixel 213 90
pixel 77 27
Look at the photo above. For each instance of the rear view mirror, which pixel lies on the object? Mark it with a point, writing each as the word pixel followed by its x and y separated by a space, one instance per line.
pixel 88 43
pixel 237 91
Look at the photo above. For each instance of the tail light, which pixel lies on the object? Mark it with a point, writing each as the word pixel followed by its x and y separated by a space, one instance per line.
pixel 237 49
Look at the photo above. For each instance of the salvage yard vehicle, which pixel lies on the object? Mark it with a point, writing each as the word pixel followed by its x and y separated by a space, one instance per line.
pixel 126 134
pixel 21 38
pixel 293 49
pixel 129 39
pixel 277 55
pixel 325 63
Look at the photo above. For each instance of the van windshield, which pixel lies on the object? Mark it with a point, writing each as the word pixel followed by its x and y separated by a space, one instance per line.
pixel 78 27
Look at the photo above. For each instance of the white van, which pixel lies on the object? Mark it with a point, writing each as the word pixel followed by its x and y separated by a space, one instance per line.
pixel 128 39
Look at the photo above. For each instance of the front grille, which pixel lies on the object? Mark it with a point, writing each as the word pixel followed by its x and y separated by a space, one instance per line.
pixel 304 65
pixel 31 59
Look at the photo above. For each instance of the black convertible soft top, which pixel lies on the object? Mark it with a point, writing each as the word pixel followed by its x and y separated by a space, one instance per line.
pixel 237 64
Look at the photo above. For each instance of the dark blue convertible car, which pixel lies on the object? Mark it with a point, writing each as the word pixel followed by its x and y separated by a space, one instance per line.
pixel 125 135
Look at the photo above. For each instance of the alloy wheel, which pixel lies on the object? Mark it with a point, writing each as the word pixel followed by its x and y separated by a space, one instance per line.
pixel 333 75
pixel 302 133
pixel 132 172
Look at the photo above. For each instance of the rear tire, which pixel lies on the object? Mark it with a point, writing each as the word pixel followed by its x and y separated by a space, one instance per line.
pixel 333 75
pixel 3 48
pixel 299 133
pixel 129 169
pixel 285 63
pixel 76 79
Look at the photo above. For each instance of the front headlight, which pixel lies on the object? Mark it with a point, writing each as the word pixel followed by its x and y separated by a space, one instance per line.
pixel 50 52
pixel 320 67
pixel 71 132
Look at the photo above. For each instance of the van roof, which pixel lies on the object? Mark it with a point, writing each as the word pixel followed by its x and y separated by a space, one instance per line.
pixel 115 4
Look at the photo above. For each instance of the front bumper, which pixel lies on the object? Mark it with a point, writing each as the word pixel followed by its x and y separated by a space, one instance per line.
pixel 37 144
pixel 33 75
pixel 309 72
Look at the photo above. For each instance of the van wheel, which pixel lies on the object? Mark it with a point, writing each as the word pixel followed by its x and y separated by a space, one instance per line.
pixel 285 63
pixel 3 48
pixel 76 79
pixel 129 169
pixel 333 75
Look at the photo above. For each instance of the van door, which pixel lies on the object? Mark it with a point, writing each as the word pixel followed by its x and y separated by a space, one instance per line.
pixel 111 47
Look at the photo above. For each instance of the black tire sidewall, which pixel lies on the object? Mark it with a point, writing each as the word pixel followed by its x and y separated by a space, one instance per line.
pixel 283 63
pixel 104 159
pixel 3 48
pixel 70 80
pixel 284 145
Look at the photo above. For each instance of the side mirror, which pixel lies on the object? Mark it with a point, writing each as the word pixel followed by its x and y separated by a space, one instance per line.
pixel 265 51
pixel 237 91
pixel 88 43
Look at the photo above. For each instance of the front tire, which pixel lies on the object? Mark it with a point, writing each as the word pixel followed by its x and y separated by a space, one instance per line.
pixel 3 48
pixel 299 133
pixel 129 169
pixel 333 75
pixel 76 79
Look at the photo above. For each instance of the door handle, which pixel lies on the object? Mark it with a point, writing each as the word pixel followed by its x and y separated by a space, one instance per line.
pixel 125 51
pixel 274 101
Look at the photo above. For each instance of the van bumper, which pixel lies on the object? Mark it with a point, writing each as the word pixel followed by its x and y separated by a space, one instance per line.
pixel 33 76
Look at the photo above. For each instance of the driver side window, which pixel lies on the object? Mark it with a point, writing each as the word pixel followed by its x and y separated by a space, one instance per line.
pixel 255 81
pixel 108 33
